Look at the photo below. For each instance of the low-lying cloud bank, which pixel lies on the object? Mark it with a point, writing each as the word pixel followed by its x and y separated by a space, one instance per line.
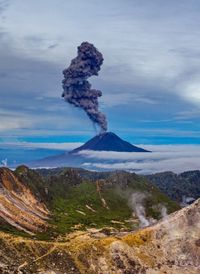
pixel 176 158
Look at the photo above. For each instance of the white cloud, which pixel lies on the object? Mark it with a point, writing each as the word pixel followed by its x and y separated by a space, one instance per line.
pixel 144 44
pixel 191 89
pixel 11 120
pixel 13 123
pixel 177 158
pixel 158 152
pixel 150 53
pixel 115 99
pixel 177 165
pixel 57 146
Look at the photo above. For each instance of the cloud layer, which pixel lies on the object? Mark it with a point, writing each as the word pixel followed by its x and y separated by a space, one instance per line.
pixel 163 158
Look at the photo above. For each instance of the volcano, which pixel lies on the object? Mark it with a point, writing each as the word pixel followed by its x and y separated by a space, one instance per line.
pixel 108 141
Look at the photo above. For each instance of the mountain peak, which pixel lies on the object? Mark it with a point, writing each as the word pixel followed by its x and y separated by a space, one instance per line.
pixel 108 141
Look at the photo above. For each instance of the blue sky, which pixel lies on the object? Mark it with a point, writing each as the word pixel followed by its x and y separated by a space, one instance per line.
pixel 150 78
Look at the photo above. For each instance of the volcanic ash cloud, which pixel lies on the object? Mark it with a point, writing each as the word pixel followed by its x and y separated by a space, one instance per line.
pixel 77 89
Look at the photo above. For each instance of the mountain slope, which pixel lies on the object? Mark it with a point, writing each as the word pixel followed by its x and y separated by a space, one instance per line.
pixel 178 186
pixel 79 199
pixel 167 247
pixel 108 141
pixel 19 207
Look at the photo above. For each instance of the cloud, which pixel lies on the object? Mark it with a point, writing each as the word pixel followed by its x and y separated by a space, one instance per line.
pixel 116 99
pixel 31 145
pixel 4 4
pixel 163 158
pixel 12 121
pixel 164 132
pixel 53 46
pixel 150 71
pixel 191 89
pixel 176 165
pixel 188 114
pixel 30 119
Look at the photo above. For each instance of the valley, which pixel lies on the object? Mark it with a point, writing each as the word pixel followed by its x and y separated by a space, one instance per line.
pixel 69 220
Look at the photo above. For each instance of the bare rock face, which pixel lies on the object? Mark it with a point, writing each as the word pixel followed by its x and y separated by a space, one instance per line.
pixel 18 206
pixel 171 246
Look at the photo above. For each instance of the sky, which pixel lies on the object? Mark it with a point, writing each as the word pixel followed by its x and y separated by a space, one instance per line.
pixel 150 77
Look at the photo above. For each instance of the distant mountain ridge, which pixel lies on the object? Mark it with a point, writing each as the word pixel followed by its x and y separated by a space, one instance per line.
pixel 108 141
pixel 177 186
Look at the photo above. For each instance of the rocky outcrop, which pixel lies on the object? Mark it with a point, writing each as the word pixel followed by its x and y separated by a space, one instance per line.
pixel 171 246
pixel 18 206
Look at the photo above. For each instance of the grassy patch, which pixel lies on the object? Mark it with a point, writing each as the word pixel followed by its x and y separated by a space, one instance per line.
pixel 74 211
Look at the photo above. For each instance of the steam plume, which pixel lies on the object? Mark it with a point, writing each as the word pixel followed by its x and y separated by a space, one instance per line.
pixel 77 89
pixel 163 212
pixel 136 202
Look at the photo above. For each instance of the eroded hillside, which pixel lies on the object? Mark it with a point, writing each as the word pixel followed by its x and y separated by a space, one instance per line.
pixel 19 207
pixel 171 246
pixel 79 199
pixel 76 199
pixel 75 221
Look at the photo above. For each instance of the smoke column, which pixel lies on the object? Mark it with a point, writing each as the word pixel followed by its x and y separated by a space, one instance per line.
pixel 77 89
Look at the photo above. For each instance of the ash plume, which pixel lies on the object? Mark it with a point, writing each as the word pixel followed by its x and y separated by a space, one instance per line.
pixel 77 89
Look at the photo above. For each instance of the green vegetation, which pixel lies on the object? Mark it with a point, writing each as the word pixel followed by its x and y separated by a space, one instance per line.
pixel 176 186
pixel 33 180
pixel 80 203
pixel 79 199
pixel 84 208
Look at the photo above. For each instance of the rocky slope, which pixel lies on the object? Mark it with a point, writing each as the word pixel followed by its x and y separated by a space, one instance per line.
pixel 171 246
pixel 19 207
pixel 84 199
pixel 78 199
pixel 85 222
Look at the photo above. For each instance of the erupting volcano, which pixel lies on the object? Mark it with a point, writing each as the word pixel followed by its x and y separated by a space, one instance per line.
pixel 108 141
pixel 78 92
